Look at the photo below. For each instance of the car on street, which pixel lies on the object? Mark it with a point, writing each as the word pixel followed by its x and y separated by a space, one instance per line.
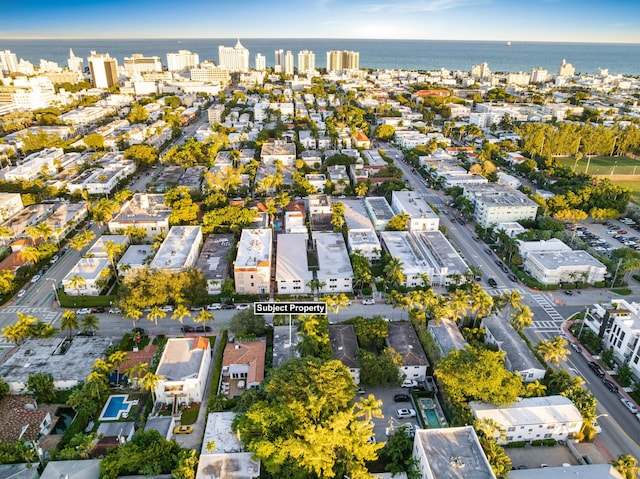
pixel 98 309
pixel 499 263
pixel 576 348
pixel 187 329
pixel 167 308
pixel 409 383
pixel 21 293
pixel 87 332
pixel 513 278
pixel 401 398
pixel 596 369
pixel 476 239
pixel 202 329
pixel 36 278
pixel 241 307
pixel 629 405
pixel 361 391
pixel 183 430
pixel 492 282
pixel 488 251
pixel 84 311
pixel 138 331
pixel 54 259
pixel 610 385
pixel 368 301
pixel 196 308
pixel 403 413
pixel 227 306
pixel 214 306
pixel 115 311
pixel 568 292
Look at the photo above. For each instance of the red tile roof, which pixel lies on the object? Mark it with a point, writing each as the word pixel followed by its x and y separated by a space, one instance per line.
pixel 15 415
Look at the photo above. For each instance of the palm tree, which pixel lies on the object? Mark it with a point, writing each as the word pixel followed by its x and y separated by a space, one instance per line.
pixel 554 350
pixel 361 189
pixel 32 232
pixel 459 303
pixel 369 407
pixel 133 314
pixel 180 313
pixel 315 285
pixel 90 322
pixel 69 320
pixel 150 383
pixel 76 282
pixel 46 231
pixel 97 384
pixel 31 254
pixel 155 314
pixel 6 281
pixel 393 272
pixel 535 389
pixel 116 359
pixel 203 317
pixel 82 240
pixel 135 371
pixel 113 250
pixel 513 299
pixel 627 466
pixel 490 428
pixel 522 318
pixel 336 302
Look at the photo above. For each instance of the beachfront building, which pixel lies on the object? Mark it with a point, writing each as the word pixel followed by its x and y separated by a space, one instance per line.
pixel 179 250
pixel 519 358
pixel 252 268
pixel 182 61
pixel 494 204
pixel 183 370
pixel 292 268
pixel 235 59
pixel 532 419
pixel 422 217
pixel 334 266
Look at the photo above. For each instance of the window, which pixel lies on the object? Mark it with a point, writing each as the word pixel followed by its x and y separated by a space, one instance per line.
pixel 547 436
pixel 512 428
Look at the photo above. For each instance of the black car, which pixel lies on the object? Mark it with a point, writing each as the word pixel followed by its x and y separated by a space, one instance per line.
pixel 596 369
pixel 513 278
pixel 488 251
pixel 99 309
pixel 610 386
pixel 202 329
pixel 492 282
pixel 499 263
pixel 88 332
pixel 187 329
pixel 401 398
pixel 138 330
pixel 227 306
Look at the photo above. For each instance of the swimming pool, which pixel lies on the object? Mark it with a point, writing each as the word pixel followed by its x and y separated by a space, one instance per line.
pixel 427 403
pixel 431 417
pixel 115 407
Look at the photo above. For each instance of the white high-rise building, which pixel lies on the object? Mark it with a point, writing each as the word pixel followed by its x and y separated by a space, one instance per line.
pixel 539 75
pixel 566 69
pixel 104 70
pixel 182 61
pixel 481 71
pixel 278 65
pixel 48 66
pixel 261 62
pixel 288 63
pixel 138 63
pixel 342 60
pixel 8 62
pixel 306 62
pixel 236 58
pixel 76 64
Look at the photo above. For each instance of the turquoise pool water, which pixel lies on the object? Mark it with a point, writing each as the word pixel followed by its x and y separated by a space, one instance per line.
pixel 114 408
pixel 431 417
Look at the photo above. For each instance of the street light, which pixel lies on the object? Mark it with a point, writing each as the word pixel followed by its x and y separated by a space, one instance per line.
pixel 55 290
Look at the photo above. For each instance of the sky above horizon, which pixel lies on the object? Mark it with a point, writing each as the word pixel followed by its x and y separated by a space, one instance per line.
pixel 615 21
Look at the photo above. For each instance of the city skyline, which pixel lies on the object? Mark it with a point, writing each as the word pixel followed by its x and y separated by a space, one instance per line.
pixel 488 20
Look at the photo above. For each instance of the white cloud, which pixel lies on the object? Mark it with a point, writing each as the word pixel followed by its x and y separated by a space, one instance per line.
pixel 421 5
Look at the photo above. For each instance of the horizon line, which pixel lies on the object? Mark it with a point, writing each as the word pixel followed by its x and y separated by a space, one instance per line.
pixel 2 37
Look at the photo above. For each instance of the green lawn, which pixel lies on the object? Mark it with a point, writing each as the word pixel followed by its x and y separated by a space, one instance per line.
pixel 619 165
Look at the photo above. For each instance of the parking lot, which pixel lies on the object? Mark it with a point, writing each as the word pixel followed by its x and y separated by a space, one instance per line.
pixel 389 408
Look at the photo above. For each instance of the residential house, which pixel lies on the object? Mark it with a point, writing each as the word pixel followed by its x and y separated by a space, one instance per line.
pixel 242 366
pixel 21 419
pixel 285 342
pixel 143 211
pixel 334 266
pixel 179 250
pixel 446 335
pixel 252 267
pixel 293 275
pixel 403 338
pixel 213 261
pixel 339 178
pixel 345 348
pixel 163 424
pixel 79 469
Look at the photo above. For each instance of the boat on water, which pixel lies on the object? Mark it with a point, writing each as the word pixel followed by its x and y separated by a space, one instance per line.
pixel 508 44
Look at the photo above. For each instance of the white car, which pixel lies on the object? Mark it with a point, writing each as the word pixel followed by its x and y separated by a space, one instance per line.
pixel 241 307
pixel 368 301
pixel 409 383
pixel 36 278
pixel 21 293
pixel 54 258
pixel 214 306
pixel 115 311
pixel 84 311
pixel 166 308
pixel 405 413
pixel 629 405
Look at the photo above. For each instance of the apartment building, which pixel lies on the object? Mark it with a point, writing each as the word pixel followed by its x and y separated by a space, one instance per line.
pixel 88 277
pixel 182 61
pixel 213 261
pixel 379 211
pixel 292 266
pixel 361 235
pixel 338 61
pixel 34 165
pixel 138 64
pixel 335 271
pixel 493 204
pixel 179 250
pixel 104 70
pixel 143 211
pixel 252 267
pixel 422 217
pixel 235 59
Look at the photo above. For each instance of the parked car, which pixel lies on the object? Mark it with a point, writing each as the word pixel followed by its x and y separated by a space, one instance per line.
pixel 576 348
pixel 405 413
pixel 203 329
pixel 596 369
pixel 196 308
pixel 488 251
pixel 54 259
pixel 36 278
pixel 610 385
pixel 361 391
pixel 167 308
pixel 115 311
pixel 84 311
pixel 499 263
pixel 492 282
pixel 88 332
pixel 228 306
pixel 183 430
pixel 629 405
pixel 241 307
pixel 187 329
pixel 476 239
pixel 214 306
pixel 99 309
pixel 138 331
pixel 21 293
pixel 401 398
pixel 368 301
pixel 409 383
pixel 513 278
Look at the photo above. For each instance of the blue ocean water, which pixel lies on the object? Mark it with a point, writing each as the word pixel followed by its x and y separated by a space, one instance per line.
pixel 379 54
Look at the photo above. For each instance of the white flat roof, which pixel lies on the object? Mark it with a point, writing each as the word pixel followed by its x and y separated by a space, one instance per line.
pixel 254 248
pixel 413 204
pixel 219 429
pixel 355 215
pixel 333 256
pixel 176 247
pixel 529 411
pixel 291 261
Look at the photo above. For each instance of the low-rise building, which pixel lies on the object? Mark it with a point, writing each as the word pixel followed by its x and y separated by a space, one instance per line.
pixel 135 258
pixel 379 211
pixel 242 366
pixel 213 261
pixel 334 266
pixel 144 211
pixel 80 469
pixel 179 250
pixel 317 181
pixel 22 420
pixel 183 368
pixel 10 204
pixel 65 217
pixel 532 419
pixel 361 235
pixel 450 453
pixel 403 338
pixel 35 165
pixel 292 267
pixel 493 204
pixel 339 178
pixel 345 348
pixel 422 217
pixel 113 168
pixel 88 277
pixel 252 268
pixel 100 248
pixel 285 344
pixel 446 335
pixel 553 262
pixel 519 358
pixel 278 150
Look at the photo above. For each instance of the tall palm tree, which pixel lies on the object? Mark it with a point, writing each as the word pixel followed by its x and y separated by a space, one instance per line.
pixel 113 250
pixel 369 407
pixel 76 282
pixel 69 321
pixel 132 313
pixel 82 240
pixel 155 314
pixel 490 428
pixel 459 303
pixel 46 230
pixel 150 383
pixel 315 285
pixel 135 371
pixel 535 389
pixel 513 299
pixel 361 189
pixel 554 350
pixel 32 232
pixel 180 313
pixel 116 359
pixel 31 254
pixel 90 322
pixel 627 466
pixel 522 318
pixel 97 384
pixel 336 302
pixel 203 317
pixel 393 272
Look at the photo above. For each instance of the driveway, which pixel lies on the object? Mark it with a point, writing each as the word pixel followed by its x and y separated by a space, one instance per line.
pixel 389 408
